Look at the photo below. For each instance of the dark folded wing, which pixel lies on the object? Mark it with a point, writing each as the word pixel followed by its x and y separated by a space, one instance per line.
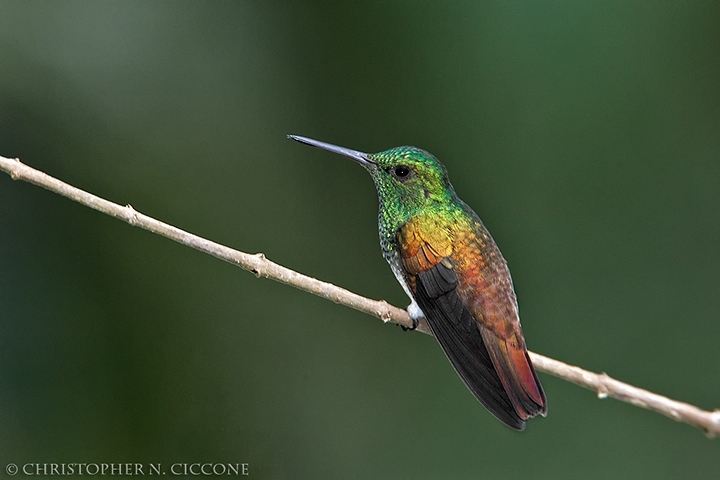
pixel 459 336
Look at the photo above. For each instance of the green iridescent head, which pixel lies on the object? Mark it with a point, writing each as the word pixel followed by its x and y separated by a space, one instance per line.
pixel 408 179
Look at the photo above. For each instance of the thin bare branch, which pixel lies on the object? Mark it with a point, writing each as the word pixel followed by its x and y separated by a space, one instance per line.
pixel 602 384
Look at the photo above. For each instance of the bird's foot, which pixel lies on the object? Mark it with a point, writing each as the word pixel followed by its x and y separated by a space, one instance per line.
pixel 414 326
pixel 415 314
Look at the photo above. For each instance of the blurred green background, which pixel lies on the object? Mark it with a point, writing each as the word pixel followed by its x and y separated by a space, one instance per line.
pixel 585 134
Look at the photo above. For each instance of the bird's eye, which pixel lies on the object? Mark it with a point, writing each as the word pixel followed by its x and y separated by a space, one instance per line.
pixel 401 172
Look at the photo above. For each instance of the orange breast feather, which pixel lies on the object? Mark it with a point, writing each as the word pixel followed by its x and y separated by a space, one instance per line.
pixel 424 242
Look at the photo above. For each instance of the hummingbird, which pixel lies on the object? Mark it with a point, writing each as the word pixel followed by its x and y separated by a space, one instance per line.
pixel 455 276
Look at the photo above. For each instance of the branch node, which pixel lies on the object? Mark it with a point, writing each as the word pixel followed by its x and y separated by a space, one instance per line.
pixel 261 259
pixel 602 389
pixel 14 173
pixel 131 215
pixel 715 420
pixel 384 312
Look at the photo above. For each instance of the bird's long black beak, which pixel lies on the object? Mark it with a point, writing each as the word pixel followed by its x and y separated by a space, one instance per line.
pixel 360 157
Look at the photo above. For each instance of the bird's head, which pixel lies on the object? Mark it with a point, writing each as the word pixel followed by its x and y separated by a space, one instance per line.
pixel 408 179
